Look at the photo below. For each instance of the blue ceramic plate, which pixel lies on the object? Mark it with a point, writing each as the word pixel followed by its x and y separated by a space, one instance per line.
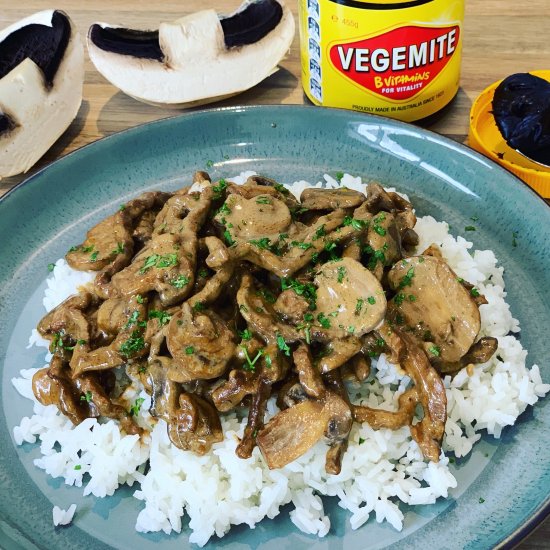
pixel 43 217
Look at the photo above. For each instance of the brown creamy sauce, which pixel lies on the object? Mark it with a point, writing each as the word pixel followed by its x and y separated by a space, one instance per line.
pixel 221 296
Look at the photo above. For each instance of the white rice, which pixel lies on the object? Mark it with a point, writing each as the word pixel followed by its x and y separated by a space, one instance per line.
pixel 63 517
pixel 380 470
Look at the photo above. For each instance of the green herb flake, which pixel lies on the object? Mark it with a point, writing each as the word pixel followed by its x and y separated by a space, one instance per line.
pixel 167 260
pixel 51 267
pixel 376 225
pixel 307 290
pixel 139 299
pixel 86 397
pixel 264 243
pixel 228 238
pixel 435 350
pixel 319 233
pixel 474 218
pixel 93 256
pixel 474 292
pixel 219 188
pixel 122 207
pixel 242 307
pixel 119 249
pixel 224 209
pixel 251 363
pixel 356 224
pixel 263 200
pixel 281 189
pixel 341 274
pixel 338 176
pixel 77 467
pixel 209 163
pixel 407 279
pixel 481 500
pixel 283 346
pixel 302 245
pixel 268 361
pixel 162 316
pixel 132 345
pixel 189 350
pixel 132 320
pixel 267 295
pixel 245 334
pixel 199 306
pixel 452 460
pixel 135 408
pixel 361 441
pixel 359 306
pixel 179 282
pixel 323 320
pixel 203 273
pixel 399 298
pixel 469 228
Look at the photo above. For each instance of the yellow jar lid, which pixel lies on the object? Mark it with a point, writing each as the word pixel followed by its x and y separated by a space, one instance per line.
pixel 485 137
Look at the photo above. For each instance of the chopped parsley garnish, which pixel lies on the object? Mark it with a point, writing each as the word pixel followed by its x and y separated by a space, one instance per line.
pixel 159 261
pixel 469 228
pixel 307 332
pixel 86 397
pixel 77 467
pixel 323 320
pixel 376 224
pixel 338 176
pixel 411 298
pixel 341 274
pixel 242 307
pixel 361 441
pixel 209 163
pixel 267 295
pixel 514 238
pixel 251 363
pixel 380 342
pixel 474 218
pixel 133 319
pixel 133 345
pixel 283 346
pixel 51 267
pixel 245 334
pixel 399 298
pixel 122 207
pixel 189 350
pixel 319 233
pixel 199 306
pixel 351 329
pixel 474 292
pixel 135 408
pixel 224 209
pixel 281 188
pixel 356 224
pixel 264 243
pixel 481 500
pixel 87 249
pixel 119 249
pixel 330 246
pixel 162 316
pixel 301 244
pixel 359 306
pixel 203 273
pixel 283 236
pixel 263 200
pixel 93 256
pixel 228 238
pixel 268 361
pixel 307 290
pixel 139 298
pixel 435 350
pixel 219 189
pixel 407 279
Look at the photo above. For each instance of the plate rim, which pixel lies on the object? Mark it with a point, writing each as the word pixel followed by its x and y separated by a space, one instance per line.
pixel 543 510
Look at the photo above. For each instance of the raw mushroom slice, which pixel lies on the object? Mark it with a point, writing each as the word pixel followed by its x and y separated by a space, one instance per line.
pixel 197 59
pixel 350 297
pixel 41 77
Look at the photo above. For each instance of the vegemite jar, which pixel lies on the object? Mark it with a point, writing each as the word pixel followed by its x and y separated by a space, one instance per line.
pixel 394 58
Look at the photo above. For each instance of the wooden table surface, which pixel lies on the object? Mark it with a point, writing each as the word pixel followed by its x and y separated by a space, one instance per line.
pixel 500 37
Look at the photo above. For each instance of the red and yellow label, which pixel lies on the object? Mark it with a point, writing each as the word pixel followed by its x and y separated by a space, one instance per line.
pixel 379 57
